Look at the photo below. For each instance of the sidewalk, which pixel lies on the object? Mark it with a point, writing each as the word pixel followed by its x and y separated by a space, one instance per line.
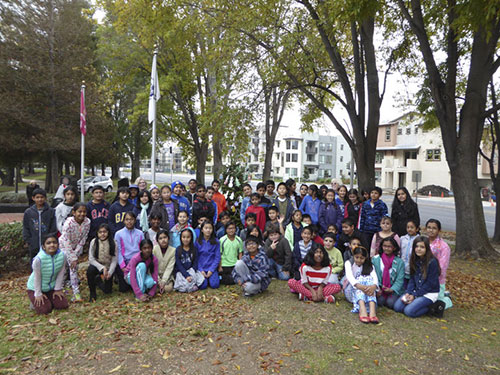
pixel 11 218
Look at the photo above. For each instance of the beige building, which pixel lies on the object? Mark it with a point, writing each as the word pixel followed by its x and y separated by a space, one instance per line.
pixel 403 147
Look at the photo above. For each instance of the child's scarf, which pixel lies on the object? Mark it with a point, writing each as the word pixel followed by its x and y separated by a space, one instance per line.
pixel 143 218
pixel 386 275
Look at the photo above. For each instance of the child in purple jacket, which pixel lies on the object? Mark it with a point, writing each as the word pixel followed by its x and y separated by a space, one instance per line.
pixel 142 272
pixel 329 213
pixel 208 249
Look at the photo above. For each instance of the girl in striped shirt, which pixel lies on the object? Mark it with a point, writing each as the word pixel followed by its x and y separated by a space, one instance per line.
pixel 314 274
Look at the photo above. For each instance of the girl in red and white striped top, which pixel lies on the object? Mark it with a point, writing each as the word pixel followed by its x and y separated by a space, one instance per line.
pixel 314 273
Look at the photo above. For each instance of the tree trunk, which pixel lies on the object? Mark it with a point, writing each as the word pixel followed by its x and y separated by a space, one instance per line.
pixel 9 177
pixel 201 163
pixel 67 168
pixel 48 174
pixel 103 169
pixel 115 170
pixel 496 234
pixel 218 166
pixel 268 160
pixel 365 171
pixel 31 168
pixel 78 170
pixel 136 162
pixel 93 170
pixel 54 172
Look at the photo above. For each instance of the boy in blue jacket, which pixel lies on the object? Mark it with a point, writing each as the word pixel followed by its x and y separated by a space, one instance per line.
pixel 372 212
pixel 251 272
pixel 182 201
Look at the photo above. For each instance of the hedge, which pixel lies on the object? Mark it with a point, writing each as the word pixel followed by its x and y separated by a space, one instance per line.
pixel 11 246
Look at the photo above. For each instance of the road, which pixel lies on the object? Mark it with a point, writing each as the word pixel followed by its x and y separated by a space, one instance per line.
pixel 442 209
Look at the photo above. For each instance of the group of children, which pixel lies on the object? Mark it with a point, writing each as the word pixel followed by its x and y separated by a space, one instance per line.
pixel 321 241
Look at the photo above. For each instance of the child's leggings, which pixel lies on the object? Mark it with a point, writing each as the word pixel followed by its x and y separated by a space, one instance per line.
pixel 49 303
pixel 328 289
pixel 74 279
pixel 144 279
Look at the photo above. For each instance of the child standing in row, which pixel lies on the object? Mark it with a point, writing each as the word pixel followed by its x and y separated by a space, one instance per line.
pixel 102 262
pixel 74 235
pixel 175 232
pixel 329 212
pixel 372 212
pixel 247 192
pixel 118 209
pixel 310 204
pixel 293 230
pixel 283 203
pixel 46 280
pixel 258 211
pixel 38 220
pixel 143 209
pixel 64 209
pixel 97 210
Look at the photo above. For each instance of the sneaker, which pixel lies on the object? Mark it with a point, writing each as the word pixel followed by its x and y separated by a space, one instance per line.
pixel 76 298
pixel 303 297
pixel 330 299
pixel 92 298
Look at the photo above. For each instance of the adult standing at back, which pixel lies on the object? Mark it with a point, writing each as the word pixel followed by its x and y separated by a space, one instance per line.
pixel 404 209
pixel 141 183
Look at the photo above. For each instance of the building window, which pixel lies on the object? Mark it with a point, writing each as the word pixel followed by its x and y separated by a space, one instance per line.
pixel 378 176
pixel 287 170
pixel 400 131
pixel 379 156
pixel 293 172
pixel 387 133
pixel 341 158
pixel 433 155
pixel 288 145
pixel 322 147
pixel 341 147
pixel 295 158
pixel 416 129
pixel 329 147
pixel 311 157
pixel 408 131
pixel 278 144
pixel 295 145
pixel 325 159
pixel 277 156
pixel 288 157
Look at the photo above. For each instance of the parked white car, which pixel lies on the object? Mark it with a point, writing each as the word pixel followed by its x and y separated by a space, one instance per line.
pixel 91 181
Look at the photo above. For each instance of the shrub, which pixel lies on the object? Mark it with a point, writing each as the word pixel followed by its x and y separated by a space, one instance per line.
pixel 11 245
pixel 11 197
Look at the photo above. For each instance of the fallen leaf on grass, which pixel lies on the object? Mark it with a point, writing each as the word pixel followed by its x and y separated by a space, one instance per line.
pixel 333 321
pixel 166 354
pixel 216 362
pixel 117 368
pixel 376 362
pixel 492 367
pixel 53 321
pixel 297 332
pixel 146 366
pixel 355 347
pixel 396 343
pixel 349 359
pixel 466 357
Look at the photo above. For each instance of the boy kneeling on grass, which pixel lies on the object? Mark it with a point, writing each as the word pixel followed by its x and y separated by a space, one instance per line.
pixel 251 272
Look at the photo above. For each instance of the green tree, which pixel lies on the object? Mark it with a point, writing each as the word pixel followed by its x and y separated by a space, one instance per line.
pixel 47 50
pixel 458 44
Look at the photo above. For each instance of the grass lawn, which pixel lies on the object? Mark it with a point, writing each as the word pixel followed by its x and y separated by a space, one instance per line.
pixel 219 331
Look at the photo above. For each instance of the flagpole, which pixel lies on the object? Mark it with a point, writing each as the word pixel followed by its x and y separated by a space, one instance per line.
pixel 153 151
pixel 82 158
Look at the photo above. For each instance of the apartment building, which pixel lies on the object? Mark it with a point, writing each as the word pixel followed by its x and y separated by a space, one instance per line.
pixel 299 154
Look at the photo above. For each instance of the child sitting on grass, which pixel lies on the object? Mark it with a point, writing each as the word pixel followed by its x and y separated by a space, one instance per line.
pixel 142 273
pixel 251 272
pixel 314 275
pixel 166 262
pixel 187 277
pixel 46 281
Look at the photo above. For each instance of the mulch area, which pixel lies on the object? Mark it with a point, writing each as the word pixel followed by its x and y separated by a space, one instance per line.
pixel 11 218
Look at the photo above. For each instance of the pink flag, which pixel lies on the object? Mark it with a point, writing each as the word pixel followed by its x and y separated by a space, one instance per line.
pixel 83 112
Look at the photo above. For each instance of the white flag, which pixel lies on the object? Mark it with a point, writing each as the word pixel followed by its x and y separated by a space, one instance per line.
pixel 154 93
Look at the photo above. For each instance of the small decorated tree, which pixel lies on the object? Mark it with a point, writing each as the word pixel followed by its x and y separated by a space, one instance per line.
pixel 232 178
